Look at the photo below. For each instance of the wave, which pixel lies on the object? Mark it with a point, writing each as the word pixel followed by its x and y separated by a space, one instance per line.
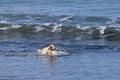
pixel 68 20
pixel 118 20
pixel 64 32
pixel 65 26
pixel 97 19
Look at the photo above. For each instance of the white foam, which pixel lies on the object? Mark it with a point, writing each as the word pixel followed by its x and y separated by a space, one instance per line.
pixel 78 27
pixel 83 27
pixel 66 18
pixel 59 53
pixel 7 28
pixel 102 29
pixel 56 28
pixel 47 24
pixel 15 26
pixel 38 29
pixel 117 29
pixel 4 28
pixel 62 53
pixel 3 21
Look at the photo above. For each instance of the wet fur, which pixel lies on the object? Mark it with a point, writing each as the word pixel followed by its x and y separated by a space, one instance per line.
pixel 49 50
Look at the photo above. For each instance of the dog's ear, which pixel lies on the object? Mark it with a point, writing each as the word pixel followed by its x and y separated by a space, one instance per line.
pixel 53 46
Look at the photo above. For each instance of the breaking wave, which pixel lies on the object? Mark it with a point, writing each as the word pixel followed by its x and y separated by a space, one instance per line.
pixel 64 32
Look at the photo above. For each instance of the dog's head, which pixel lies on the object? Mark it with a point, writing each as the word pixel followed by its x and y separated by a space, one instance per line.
pixel 51 47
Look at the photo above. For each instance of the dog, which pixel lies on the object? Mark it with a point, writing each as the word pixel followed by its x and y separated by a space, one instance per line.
pixel 50 50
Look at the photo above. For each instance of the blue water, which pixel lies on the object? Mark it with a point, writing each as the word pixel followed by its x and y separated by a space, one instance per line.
pixel 92 65
pixel 89 30
pixel 62 7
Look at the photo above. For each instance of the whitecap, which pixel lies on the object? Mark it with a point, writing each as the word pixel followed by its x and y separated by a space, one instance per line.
pixel 56 28
pixel 3 21
pixel 38 29
pixel 83 27
pixel 4 28
pixel 7 28
pixel 102 29
pixel 15 26
pixel 47 24
pixel 66 18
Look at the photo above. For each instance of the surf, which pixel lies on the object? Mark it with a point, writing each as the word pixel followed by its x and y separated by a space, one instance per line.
pixel 58 53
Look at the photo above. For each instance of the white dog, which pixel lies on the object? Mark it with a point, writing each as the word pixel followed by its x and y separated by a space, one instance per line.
pixel 50 50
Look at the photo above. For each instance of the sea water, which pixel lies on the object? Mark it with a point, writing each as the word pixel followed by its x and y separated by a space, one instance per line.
pixel 88 30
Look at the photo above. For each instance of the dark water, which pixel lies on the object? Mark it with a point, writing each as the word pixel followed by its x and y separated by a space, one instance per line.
pixel 89 30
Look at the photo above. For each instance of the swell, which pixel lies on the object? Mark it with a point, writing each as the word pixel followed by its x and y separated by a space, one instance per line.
pixel 54 30
pixel 64 19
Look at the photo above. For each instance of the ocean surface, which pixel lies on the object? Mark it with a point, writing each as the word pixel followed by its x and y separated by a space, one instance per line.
pixel 88 30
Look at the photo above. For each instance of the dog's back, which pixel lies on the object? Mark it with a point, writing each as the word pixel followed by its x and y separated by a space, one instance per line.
pixel 49 50
pixel 45 50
